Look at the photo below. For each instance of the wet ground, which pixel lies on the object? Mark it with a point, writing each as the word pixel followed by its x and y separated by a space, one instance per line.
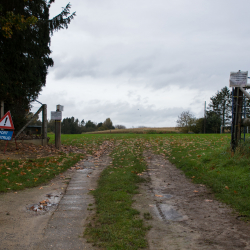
pixel 186 215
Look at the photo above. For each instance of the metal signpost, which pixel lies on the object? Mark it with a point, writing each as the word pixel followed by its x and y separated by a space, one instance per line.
pixel 57 116
pixel 238 82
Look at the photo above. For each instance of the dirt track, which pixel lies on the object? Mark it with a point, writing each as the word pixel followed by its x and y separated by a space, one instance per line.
pixel 184 215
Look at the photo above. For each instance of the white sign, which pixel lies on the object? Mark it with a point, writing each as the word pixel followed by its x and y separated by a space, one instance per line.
pixel 59 107
pixel 238 79
pixel 56 115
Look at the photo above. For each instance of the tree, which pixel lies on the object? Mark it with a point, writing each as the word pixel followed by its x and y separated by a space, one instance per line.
pixel 9 21
pixel 213 122
pixel 221 104
pixel 198 127
pixel 71 126
pixel 25 57
pixel 120 127
pixel 185 121
pixel 90 125
pixel 108 124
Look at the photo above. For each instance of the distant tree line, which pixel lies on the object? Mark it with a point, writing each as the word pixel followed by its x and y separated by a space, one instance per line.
pixel 75 126
pixel 219 114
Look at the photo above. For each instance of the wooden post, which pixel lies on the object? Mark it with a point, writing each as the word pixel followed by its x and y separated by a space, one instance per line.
pixel 239 116
pixel 44 122
pixel 58 130
pixel 236 117
pixel 58 134
pixel 2 109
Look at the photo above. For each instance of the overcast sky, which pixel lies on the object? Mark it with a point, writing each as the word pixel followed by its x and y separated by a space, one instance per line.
pixel 143 62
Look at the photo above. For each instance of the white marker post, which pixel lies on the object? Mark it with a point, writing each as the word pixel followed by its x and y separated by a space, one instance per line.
pixel 57 116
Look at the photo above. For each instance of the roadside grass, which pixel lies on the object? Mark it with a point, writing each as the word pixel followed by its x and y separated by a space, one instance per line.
pixel 207 159
pixel 20 174
pixel 116 224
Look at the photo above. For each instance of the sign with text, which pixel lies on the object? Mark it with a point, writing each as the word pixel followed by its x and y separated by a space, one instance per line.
pixel 238 79
pixel 6 135
pixel 6 121
pixel 56 115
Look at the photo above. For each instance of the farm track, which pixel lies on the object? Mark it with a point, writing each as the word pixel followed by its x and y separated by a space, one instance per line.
pixel 184 215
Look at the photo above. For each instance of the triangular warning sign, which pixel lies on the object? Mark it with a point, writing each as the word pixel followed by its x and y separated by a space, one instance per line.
pixel 6 122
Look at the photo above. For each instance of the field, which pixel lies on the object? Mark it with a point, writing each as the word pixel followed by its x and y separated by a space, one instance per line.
pixel 205 159
pixel 157 130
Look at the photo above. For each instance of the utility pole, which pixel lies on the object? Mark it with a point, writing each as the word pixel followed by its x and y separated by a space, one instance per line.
pixel 205 117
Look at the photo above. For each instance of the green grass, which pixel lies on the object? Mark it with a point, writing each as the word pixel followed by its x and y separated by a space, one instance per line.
pixel 116 225
pixel 20 174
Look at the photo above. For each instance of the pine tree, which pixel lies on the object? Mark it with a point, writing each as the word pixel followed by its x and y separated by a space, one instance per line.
pixel 221 104
pixel 25 57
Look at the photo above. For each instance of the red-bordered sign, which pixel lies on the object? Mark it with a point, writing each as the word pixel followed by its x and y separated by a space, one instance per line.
pixel 6 121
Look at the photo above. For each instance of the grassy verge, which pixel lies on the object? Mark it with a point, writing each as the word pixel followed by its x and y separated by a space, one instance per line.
pixel 20 174
pixel 116 224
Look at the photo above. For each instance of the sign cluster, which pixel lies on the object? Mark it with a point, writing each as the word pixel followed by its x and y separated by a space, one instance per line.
pixel 6 123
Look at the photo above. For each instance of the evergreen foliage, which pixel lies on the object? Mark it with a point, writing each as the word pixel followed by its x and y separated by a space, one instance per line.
pixel 74 126
pixel 25 57
pixel 221 104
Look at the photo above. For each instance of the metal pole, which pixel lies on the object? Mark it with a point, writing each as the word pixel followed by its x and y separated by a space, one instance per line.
pixel 58 131
pixel 205 117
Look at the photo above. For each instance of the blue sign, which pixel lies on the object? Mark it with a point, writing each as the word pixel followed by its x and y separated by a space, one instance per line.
pixel 6 135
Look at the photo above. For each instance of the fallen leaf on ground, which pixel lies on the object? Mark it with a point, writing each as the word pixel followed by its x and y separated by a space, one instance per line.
pixel 158 195
pixel 195 191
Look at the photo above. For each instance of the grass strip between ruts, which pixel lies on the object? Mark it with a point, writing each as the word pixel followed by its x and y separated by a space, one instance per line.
pixel 20 174
pixel 116 224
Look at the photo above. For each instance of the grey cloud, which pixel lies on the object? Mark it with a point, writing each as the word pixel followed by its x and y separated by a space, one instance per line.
pixel 129 115
pixel 75 67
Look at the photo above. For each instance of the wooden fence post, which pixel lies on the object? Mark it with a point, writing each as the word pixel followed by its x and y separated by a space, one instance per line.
pixel 58 134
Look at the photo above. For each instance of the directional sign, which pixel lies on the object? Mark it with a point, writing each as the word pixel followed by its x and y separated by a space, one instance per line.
pixel 6 135
pixel 6 121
